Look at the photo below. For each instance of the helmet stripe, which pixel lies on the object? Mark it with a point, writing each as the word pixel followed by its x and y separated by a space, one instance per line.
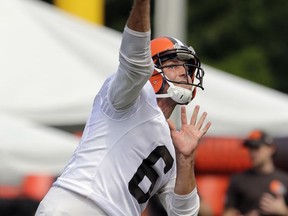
pixel 175 40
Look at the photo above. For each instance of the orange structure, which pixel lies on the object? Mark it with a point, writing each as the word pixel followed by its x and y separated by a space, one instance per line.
pixel 216 160
pixel 36 186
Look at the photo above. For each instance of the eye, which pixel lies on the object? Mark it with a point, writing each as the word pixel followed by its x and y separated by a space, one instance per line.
pixel 171 67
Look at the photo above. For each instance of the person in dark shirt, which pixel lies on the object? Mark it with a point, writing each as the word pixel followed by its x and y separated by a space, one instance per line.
pixel 261 190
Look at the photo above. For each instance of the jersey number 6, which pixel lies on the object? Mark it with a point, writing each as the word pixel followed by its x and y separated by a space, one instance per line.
pixel 146 169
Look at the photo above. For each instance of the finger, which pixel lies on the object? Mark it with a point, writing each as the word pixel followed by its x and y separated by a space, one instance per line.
pixel 183 115
pixel 194 115
pixel 279 196
pixel 267 197
pixel 266 200
pixel 201 120
pixel 265 206
pixel 206 128
pixel 171 125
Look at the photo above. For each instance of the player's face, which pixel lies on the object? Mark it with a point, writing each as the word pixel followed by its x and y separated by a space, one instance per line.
pixel 175 70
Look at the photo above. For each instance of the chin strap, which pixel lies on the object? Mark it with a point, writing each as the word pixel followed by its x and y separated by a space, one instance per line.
pixel 178 94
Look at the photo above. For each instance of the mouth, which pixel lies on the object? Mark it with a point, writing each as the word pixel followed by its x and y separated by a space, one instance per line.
pixel 185 85
pixel 183 82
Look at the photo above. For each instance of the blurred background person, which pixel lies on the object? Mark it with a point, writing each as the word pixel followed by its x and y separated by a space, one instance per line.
pixel 261 190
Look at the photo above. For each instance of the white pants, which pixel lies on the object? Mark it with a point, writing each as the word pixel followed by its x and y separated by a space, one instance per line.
pixel 60 202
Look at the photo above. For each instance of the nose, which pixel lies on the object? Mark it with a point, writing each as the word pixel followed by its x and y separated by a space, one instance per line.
pixel 180 69
pixel 183 71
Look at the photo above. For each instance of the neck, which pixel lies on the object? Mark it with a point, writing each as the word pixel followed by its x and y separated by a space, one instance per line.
pixel 167 106
pixel 265 168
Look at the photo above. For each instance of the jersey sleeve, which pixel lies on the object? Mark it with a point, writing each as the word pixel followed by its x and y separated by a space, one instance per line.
pixel 134 70
pixel 175 205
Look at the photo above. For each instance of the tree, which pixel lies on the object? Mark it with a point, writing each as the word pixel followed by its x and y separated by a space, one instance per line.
pixel 246 38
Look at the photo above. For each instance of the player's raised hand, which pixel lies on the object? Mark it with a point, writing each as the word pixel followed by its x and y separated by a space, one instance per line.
pixel 187 138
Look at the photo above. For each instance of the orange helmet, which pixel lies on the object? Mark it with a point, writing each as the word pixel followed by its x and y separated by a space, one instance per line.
pixel 164 48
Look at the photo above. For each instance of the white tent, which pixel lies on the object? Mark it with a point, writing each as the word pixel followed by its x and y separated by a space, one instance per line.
pixel 54 63
pixel 29 148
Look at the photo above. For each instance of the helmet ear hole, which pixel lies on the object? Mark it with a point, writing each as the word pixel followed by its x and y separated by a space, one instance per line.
pixel 156 81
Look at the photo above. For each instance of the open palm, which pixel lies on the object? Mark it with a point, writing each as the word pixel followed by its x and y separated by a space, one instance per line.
pixel 187 138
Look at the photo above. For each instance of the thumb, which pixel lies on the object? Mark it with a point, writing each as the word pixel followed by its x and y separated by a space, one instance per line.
pixel 171 125
pixel 279 196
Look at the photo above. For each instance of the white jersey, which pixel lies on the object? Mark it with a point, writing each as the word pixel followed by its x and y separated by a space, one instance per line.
pixel 126 154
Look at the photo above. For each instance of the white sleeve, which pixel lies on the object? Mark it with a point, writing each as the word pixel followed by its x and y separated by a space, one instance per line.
pixel 176 205
pixel 185 205
pixel 134 70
